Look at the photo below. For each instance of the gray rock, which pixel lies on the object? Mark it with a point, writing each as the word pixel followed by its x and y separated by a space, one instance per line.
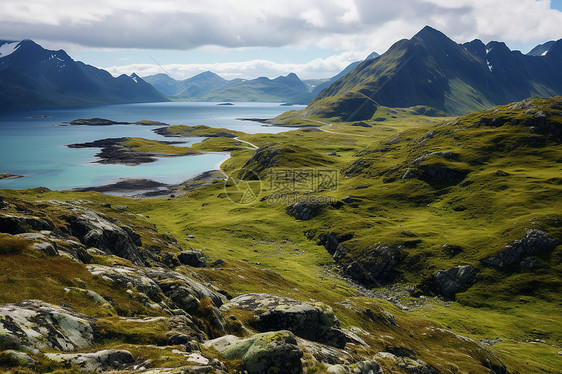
pixel 375 266
pixel 163 287
pixel 312 321
pixel 12 224
pixel 192 258
pixel 48 248
pixel 95 230
pixel 11 358
pixel 307 210
pixel 531 263
pixel 535 241
pixel 407 364
pixel 96 361
pixel 270 352
pixel 36 324
pixel 325 353
pixel 362 367
pixel 457 279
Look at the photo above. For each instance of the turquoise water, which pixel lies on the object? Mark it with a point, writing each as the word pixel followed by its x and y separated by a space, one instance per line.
pixel 36 147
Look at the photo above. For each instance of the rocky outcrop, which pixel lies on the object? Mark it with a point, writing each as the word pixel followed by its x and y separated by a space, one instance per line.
pixel 312 321
pixel 95 230
pixel 307 210
pixel 535 241
pixel 375 266
pixel 96 361
pixel 13 224
pixel 165 289
pixel 332 242
pixel 453 280
pixel 35 324
pixel 270 352
pixel 435 174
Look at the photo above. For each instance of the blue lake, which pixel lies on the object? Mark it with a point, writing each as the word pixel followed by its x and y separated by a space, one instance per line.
pixel 35 146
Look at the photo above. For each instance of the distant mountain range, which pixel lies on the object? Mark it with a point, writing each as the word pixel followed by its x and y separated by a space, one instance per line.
pixel 432 70
pixel 34 77
pixel 208 86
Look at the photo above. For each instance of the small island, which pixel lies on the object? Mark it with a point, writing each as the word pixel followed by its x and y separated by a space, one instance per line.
pixel 134 151
pixel 10 176
pixel 108 122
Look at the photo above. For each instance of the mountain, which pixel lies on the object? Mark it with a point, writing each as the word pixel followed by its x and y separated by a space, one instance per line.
pixel 541 49
pixel 432 70
pixel 347 69
pixel 209 86
pixel 196 86
pixel 34 77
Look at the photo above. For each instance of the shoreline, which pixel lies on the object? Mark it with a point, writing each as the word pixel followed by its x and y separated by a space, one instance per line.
pixel 150 188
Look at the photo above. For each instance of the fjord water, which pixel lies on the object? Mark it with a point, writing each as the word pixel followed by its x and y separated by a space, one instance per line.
pixel 33 143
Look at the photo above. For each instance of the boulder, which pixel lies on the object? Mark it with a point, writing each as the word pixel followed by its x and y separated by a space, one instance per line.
pixel 535 241
pixel 95 361
pixel 192 258
pixel 456 279
pixel 312 321
pixel 270 352
pixel 375 266
pixel 305 211
pixel 35 324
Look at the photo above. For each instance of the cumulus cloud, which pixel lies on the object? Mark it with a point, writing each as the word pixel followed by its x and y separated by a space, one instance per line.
pixel 317 68
pixel 337 24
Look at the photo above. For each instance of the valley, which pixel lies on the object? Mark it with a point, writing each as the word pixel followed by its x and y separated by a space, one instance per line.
pixel 415 195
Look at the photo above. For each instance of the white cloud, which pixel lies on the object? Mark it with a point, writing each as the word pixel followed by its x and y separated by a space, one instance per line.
pixel 184 24
pixel 317 68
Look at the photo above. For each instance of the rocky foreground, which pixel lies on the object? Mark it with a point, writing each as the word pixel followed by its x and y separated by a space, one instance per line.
pixel 112 294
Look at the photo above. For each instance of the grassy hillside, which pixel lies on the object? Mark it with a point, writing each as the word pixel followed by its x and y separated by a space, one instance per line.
pixel 436 193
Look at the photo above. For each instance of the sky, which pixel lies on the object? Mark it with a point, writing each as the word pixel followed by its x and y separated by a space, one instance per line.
pixel 250 38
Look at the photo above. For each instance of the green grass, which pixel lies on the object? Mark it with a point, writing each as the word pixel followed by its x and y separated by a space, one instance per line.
pixel 265 250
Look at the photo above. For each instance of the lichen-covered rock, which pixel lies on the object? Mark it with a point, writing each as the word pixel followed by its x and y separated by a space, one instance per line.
pixel 457 279
pixel 164 288
pixel 36 324
pixel 95 230
pixel 270 352
pixel 535 241
pixel 362 367
pixel 95 361
pixel 406 364
pixel 312 321
pixel 327 354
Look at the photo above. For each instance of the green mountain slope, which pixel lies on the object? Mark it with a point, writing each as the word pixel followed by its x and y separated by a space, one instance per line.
pixel 430 69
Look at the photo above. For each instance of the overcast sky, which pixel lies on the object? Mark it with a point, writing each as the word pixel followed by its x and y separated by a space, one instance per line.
pixel 251 38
